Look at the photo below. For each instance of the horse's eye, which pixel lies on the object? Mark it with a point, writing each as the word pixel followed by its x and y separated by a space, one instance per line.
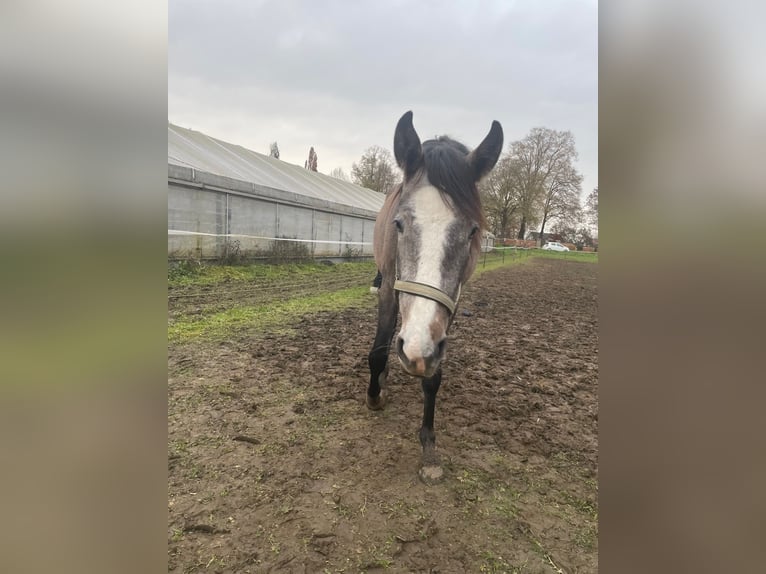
pixel 474 229
pixel 399 225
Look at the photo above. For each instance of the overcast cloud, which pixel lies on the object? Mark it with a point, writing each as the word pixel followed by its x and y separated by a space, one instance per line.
pixel 337 75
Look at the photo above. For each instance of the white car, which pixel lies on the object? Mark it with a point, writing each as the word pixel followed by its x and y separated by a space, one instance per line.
pixel 555 246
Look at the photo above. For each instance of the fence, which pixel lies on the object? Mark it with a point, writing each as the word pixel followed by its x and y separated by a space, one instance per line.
pixel 286 249
pixel 229 248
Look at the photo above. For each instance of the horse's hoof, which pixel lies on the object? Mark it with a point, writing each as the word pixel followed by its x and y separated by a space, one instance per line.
pixel 377 403
pixel 431 474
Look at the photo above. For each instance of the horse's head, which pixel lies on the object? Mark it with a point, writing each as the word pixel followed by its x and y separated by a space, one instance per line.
pixel 438 224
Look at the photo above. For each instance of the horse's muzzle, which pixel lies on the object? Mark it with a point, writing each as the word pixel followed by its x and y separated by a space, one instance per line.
pixel 423 364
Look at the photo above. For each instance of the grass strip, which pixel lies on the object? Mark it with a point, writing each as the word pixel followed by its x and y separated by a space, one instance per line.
pixel 278 317
pixel 191 273
pixel 272 317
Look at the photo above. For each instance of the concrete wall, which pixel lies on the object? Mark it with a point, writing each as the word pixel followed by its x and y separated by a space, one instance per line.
pixel 205 203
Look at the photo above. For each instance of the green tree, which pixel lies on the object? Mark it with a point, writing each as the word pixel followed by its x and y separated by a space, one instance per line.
pixel 311 162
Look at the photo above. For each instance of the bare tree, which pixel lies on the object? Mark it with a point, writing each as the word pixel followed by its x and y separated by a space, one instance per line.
pixel 541 154
pixel 376 170
pixel 561 195
pixel 501 196
pixel 576 226
pixel 566 229
pixel 311 162
pixel 338 173
pixel 591 207
pixel 274 150
pixel 583 238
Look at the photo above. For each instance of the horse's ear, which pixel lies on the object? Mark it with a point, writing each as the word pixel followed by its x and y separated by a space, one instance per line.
pixel 407 148
pixel 484 157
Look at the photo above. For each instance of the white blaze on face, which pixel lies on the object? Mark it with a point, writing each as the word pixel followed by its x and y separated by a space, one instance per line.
pixel 432 218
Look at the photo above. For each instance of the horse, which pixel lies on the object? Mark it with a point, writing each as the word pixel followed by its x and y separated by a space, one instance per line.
pixel 426 243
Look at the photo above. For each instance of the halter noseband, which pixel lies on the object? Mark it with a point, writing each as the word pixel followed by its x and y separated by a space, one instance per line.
pixel 429 292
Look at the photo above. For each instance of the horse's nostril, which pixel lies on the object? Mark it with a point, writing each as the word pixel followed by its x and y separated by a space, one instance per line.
pixel 400 346
pixel 441 348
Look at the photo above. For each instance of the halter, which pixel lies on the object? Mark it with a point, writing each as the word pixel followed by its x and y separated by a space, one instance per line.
pixel 429 292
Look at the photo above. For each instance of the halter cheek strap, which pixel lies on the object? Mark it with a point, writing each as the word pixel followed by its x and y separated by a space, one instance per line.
pixel 429 292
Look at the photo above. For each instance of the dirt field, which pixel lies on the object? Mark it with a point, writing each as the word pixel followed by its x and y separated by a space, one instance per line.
pixel 276 465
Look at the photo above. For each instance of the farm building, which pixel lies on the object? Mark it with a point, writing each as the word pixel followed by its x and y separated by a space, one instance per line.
pixel 222 196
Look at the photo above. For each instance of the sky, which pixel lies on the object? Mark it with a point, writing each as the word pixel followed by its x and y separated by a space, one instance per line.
pixel 337 75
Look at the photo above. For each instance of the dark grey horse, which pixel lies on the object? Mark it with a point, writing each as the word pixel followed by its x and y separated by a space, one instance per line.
pixel 427 241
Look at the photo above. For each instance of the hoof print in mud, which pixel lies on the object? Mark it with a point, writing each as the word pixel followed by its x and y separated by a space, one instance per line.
pixel 335 471
pixel 431 474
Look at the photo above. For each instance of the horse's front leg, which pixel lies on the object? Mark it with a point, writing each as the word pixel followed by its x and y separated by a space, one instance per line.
pixel 388 307
pixel 430 470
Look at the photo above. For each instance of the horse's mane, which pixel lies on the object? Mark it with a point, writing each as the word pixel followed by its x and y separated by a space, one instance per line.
pixel 448 171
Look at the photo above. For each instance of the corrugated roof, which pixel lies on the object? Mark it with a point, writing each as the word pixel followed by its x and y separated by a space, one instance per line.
pixel 193 149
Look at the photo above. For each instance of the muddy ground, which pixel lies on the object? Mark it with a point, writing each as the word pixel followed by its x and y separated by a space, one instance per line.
pixel 276 465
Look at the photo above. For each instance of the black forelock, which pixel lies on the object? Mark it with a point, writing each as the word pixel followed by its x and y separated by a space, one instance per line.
pixel 448 170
